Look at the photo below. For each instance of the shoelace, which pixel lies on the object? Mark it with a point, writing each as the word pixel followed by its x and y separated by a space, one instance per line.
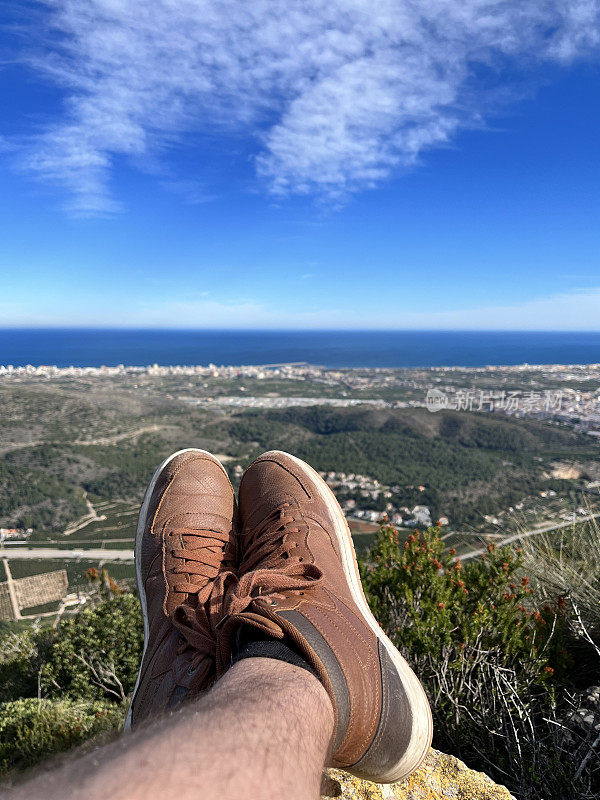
pixel 280 570
pixel 207 566
pixel 203 562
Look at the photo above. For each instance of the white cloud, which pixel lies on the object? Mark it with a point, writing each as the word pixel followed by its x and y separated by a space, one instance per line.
pixel 338 94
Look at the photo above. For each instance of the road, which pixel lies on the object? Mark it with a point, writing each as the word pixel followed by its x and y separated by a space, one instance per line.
pixel 95 554
pixel 552 526
pixel 119 437
pixel 101 440
pixel 82 522
pixel 98 554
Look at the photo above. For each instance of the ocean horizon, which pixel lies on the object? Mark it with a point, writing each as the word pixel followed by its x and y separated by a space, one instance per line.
pixel 64 347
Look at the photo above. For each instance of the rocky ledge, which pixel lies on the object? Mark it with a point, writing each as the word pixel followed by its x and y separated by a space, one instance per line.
pixel 441 777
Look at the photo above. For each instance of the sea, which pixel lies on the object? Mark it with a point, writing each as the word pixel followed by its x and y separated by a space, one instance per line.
pixel 97 347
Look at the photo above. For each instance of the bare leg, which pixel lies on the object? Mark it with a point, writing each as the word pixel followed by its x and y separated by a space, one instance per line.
pixel 262 732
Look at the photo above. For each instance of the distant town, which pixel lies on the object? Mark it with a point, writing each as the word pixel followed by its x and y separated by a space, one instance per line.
pixel 487 453
pixel 563 393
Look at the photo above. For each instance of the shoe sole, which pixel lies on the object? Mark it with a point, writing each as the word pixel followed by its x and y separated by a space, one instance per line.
pixel 422 734
pixel 139 536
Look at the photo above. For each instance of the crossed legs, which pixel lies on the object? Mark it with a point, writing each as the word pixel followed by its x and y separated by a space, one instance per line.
pixel 262 732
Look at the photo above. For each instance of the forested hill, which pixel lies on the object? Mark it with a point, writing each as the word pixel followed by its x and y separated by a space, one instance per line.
pixel 470 464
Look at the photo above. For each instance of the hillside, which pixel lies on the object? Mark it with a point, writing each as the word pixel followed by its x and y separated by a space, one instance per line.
pixel 471 464
pixel 68 443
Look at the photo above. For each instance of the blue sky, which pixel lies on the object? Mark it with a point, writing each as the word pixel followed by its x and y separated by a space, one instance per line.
pixel 297 164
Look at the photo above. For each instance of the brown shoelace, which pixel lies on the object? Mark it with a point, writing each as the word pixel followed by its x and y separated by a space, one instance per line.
pixel 270 566
pixel 207 566
pixel 201 563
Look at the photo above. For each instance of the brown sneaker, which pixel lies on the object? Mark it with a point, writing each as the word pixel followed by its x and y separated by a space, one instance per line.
pixel 184 545
pixel 299 579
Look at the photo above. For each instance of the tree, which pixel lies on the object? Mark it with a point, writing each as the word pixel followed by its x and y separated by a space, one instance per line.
pixel 96 654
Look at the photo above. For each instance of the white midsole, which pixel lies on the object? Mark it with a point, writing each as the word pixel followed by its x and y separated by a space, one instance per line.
pixel 138 552
pixel 422 721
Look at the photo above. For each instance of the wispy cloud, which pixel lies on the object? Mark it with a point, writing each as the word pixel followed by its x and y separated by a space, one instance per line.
pixel 568 311
pixel 337 94
pixel 192 191
pixel 577 311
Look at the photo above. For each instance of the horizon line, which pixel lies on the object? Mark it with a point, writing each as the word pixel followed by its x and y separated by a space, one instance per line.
pixel 158 329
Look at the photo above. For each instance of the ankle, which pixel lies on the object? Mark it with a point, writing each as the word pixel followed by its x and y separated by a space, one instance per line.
pixel 252 643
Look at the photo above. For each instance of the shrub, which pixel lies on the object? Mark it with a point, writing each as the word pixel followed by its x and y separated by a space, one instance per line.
pixel 96 654
pixel 489 660
pixel 442 602
pixel 21 658
pixel 31 729
pixel 81 673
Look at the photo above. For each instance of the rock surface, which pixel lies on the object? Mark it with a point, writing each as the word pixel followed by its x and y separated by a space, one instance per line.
pixel 441 777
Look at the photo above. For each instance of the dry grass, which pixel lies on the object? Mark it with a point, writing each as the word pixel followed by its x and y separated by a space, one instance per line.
pixel 567 565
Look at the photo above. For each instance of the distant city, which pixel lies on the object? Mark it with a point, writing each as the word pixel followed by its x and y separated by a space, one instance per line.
pixel 563 393
pixel 490 454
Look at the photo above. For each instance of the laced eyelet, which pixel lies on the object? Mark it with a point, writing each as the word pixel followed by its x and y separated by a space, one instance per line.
pixel 191 669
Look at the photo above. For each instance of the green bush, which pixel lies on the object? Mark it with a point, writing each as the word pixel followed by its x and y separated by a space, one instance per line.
pixel 31 729
pixel 443 603
pixel 21 657
pixel 491 663
pixel 82 672
pixel 96 654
